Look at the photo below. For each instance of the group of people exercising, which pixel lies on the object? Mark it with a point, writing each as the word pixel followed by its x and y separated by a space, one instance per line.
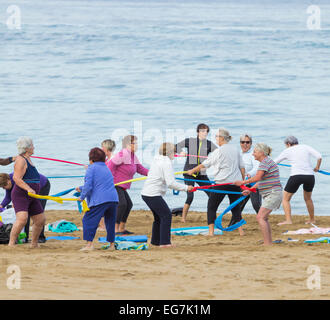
pixel 108 175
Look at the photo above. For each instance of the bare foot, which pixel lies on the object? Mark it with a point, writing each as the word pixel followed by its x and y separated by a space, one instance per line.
pixel 34 246
pixel 168 246
pixel 11 245
pixel 183 220
pixel 284 222
pixel 89 248
pixel 310 222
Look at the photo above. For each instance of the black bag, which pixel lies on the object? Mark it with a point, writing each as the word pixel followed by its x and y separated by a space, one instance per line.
pixel 5 233
pixel 177 211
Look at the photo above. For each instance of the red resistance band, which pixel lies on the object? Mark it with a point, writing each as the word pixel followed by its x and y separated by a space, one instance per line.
pixel 78 164
pixel 223 184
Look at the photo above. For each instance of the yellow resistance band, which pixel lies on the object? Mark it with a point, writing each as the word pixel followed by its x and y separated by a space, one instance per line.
pixel 84 204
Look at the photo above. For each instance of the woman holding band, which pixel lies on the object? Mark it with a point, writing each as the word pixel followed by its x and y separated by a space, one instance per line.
pixel 7 182
pixel 302 173
pixel 102 199
pixel 229 167
pixel 160 177
pixel 27 179
pixel 123 166
pixel 270 188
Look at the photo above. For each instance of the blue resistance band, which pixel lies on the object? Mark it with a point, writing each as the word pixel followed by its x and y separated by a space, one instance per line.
pixel 320 171
pixel 204 181
pixel 218 221
pixel 63 193
pixel 64 177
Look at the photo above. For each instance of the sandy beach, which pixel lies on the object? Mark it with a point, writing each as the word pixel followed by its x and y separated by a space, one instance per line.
pixel 200 267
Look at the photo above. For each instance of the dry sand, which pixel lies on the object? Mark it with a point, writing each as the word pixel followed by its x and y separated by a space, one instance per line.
pixel 200 267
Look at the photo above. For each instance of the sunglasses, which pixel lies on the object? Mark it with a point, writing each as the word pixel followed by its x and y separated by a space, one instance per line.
pixel 247 142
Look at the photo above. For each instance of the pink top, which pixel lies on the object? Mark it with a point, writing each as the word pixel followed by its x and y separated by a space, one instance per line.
pixel 124 165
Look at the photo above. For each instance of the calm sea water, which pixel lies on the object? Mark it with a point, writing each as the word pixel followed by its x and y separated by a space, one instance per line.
pixel 78 72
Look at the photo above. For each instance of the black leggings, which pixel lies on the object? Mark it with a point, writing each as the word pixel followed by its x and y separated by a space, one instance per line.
pixel 161 227
pixel 44 191
pixel 216 198
pixel 190 195
pixel 124 206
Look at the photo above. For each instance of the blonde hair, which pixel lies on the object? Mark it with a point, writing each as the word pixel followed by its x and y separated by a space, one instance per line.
pixel 167 149
pixel 225 134
pixel 128 140
pixel 263 148
pixel 109 144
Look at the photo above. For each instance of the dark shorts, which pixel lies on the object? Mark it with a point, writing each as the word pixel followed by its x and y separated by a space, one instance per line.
pixel 294 182
pixel 22 202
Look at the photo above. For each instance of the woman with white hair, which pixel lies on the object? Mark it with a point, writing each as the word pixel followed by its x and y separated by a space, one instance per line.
pixel 229 167
pixel 269 185
pixel 302 173
pixel 27 179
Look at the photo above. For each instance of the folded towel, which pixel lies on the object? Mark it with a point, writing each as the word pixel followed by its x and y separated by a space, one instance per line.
pixel 127 238
pixel 62 238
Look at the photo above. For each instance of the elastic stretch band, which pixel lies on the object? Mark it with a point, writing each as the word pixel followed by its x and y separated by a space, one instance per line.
pixel 218 221
pixel 205 181
pixel 31 181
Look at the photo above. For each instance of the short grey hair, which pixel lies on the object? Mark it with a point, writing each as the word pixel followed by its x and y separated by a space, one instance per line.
pixel 109 144
pixel 291 140
pixel 225 134
pixel 23 143
pixel 246 135
pixel 263 147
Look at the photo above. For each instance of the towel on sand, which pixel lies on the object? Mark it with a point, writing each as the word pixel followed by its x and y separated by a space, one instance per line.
pixel 315 230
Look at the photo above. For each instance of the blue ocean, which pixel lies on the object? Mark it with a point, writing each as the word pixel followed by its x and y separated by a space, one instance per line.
pixel 76 72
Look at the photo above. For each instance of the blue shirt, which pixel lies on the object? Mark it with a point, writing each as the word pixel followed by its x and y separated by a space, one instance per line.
pixel 99 187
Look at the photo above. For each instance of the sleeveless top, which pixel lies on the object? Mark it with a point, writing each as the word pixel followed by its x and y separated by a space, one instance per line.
pixel 31 174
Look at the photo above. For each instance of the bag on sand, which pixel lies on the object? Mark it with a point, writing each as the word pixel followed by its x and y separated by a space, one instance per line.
pixel 5 233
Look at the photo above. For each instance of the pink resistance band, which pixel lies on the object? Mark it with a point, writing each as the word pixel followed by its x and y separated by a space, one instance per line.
pixel 43 158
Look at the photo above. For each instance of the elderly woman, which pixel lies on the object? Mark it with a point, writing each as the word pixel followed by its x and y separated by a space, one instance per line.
pixel 251 167
pixel 108 146
pixel 123 166
pixel 7 182
pixel 302 173
pixel 27 179
pixel 199 148
pixel 229 167
pixel 101 197
pixel 161 177
pixel 269 185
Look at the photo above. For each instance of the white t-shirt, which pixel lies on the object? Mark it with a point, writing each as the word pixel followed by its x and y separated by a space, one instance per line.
pixel 251 164
pixel 299 156
pixel 160 177
pixel 227 162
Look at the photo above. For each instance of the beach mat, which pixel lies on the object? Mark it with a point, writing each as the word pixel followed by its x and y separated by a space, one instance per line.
pixel 137 238
pixel 62 238
pixel 319 240
pixel 193 231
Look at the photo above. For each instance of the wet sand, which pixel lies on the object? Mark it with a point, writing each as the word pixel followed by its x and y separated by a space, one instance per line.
pixel 200 267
